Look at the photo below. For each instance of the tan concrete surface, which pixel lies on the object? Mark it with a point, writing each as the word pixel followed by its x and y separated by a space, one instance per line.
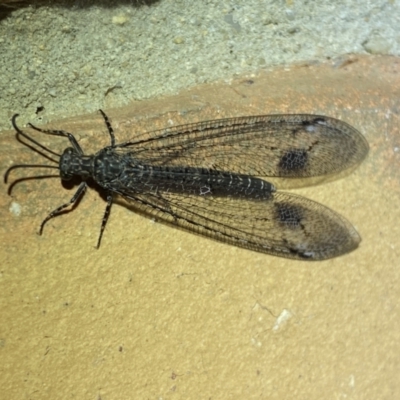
pixel 157 313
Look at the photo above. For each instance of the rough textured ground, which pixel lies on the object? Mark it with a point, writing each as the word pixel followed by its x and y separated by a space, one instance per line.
pixel 72 57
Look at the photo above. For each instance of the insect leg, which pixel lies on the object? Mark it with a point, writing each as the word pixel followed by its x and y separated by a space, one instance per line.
pixel 105 216
pixel 109 127
pixel 68 135
pixel 81 190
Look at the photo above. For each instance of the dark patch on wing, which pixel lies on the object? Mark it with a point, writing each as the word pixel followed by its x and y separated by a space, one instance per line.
pixel 293 160
pixel 289 215
pixel 318 120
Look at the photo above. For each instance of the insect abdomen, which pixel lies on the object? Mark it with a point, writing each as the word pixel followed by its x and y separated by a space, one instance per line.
pixel 199 181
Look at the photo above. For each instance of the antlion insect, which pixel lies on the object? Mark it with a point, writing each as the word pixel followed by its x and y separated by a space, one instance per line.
pixel 204 178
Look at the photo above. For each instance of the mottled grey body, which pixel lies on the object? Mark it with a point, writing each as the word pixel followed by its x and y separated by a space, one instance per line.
pixel 117 172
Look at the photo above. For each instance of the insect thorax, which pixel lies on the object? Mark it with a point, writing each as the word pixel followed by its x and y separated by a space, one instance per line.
pixel 75 164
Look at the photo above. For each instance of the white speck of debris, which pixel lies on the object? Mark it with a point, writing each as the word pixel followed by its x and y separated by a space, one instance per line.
pixel 256 342
pixel 15 209
pixel 120 19
pixel 282 318
pixel 352 381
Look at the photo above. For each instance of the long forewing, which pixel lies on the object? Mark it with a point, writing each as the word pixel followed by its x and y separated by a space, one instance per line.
pixel 285 224
pixel 297 145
